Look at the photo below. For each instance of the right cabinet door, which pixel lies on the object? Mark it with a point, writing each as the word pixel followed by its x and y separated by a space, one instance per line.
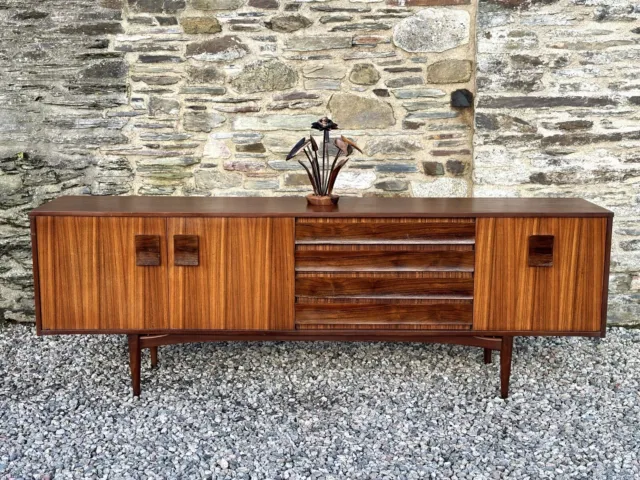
pixel 539 274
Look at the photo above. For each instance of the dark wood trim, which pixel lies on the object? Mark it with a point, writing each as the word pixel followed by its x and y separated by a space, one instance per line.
pixel 148 341
pixel 505 365
pixel 383 336
pixel 134 362
pixel 370 207
pixel 605 277
pixel 36 274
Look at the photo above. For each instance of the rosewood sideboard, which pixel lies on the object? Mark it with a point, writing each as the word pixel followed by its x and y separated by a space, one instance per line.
pixel 469 271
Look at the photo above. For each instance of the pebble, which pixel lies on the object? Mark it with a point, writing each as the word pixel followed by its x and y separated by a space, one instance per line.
pixel 273 410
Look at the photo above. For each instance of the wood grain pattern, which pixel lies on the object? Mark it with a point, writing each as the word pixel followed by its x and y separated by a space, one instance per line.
pixel 380 260
pixel 89 279
pixel 366 232
pixel 510 295
pixel 390 316
pixel 370 207
pixel 386 287
pixel 245 277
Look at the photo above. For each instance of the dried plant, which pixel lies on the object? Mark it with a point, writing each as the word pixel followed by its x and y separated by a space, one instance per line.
pixel 321 170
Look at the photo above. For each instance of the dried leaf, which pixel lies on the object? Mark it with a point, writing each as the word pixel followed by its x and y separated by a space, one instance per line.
pixel 297 147
pixel 350 142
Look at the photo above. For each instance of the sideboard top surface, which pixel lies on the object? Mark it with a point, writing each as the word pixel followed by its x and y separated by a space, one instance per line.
pixel 113 206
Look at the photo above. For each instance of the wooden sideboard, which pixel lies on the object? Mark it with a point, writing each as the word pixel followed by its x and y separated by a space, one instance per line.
pixel 469 271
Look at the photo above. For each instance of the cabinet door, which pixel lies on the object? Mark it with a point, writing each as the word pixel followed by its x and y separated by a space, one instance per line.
pixel 89 278
pixel 539 274
pixel 237 275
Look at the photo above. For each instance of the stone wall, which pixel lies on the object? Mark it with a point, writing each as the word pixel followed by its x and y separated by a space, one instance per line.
pixel 205 97
pixel 558 114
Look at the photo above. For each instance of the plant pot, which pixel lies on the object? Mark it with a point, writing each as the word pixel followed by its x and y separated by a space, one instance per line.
pixel 323 201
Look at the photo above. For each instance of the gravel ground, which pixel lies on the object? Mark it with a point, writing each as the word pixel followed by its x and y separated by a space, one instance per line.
pixel 318 410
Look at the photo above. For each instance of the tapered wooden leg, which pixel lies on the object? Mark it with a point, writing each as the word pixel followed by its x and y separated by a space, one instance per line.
pixel 134 363
pixel 154 356
pixel 487 355
pixel 505 365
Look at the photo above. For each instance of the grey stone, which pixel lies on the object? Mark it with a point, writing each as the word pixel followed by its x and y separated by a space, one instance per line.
pixel 357 112
pixel 364 74
pixel 221 49
pixel 322 84
pixel 544 102
pixel 418 93
pixel 216 4
pixel 202 121
pixel 456 167
pixel 365 27
pixel 288 23
pixel 160 59
pixel 206 74
pixel 317 43
pixel 266 4
pixel 392 185
pixel 404 82
pixel 335 18
pixel 334 71
pixel 200 25
pixel 450 71
pixel 393 146
pixel 265 76
pixel 433 30
pixel 433 168
pixel 159 105
pixel 396 168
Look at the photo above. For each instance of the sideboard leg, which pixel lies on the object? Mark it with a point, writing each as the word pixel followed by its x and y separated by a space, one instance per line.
pixel 154 356
pixel 134 363
pixel 487 355
pixel 505 365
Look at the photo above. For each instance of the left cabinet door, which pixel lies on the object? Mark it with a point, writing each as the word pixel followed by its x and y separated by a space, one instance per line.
pixel 102 273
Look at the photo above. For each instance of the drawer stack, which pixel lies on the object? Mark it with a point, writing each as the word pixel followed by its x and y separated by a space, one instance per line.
pixel 384 273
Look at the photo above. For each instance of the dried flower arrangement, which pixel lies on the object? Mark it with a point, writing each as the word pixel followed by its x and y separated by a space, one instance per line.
pixel 323 175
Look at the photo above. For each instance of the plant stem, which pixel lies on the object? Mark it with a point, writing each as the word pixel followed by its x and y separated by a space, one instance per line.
pixel 325 155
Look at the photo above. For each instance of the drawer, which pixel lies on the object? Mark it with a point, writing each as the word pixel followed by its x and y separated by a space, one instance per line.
pixel 385 286
pixel 380 260
pixel 347 316
pixel 386 230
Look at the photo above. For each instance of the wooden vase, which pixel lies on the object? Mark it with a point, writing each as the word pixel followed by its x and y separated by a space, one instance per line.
pixel 323 200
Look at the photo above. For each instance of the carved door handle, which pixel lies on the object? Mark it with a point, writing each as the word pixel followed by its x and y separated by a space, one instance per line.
pixel 541 251
pixel 147 250
pixel 186 250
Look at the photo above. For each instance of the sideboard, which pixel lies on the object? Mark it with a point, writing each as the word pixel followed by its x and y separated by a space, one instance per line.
pixel 468 271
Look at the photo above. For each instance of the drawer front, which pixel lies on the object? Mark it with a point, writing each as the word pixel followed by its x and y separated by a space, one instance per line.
pixel 419 231
pixel 384 274
pixel 384 286
pixel 434 316
pixel 384 260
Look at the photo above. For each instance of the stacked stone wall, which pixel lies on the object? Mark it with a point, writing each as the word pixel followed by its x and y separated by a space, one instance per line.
pixel 558 114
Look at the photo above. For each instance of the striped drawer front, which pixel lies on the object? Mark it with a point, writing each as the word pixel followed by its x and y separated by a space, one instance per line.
pixel 401 231
pixel 384 274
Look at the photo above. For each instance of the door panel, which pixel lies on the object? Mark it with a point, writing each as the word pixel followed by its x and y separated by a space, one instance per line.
pixel 244 279
pixel 515 290
pixel 89 279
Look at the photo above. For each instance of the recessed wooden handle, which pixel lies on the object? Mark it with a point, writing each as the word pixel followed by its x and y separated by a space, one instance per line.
pixel 541 251
pixel 186 250
pixel 147 250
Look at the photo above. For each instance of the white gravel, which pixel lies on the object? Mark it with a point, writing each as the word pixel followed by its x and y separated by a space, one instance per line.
pixel 318 410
